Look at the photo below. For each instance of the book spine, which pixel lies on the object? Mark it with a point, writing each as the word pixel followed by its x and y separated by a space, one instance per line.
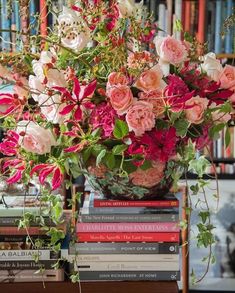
pixel 5 25
pixel 187 16
pixel 228 37
pixel 161 19
pixel 43 19
pixel 126 258
pixel 103 211
pixel 129 218
pixel 133 203
pixel 14 221
pixel 169 16
pixel 13 276
pixel 127 227
pixel 129 276
pixel 128 237
pixel 178 16
pixel 124 248
pixel 201 21
pixel 127 266
pixel 21 238
pixel 27 265
pixel 16 255
pixel 218 26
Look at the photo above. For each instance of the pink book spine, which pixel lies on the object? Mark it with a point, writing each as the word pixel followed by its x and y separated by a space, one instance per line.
pixel 127 227
pixel 119 203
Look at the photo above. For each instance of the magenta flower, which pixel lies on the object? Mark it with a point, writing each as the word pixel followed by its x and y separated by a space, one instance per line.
pixel 17 167
pixel 80 97
pixel 10 103
pixel 45 170
pixel 103 117
pixel 10 143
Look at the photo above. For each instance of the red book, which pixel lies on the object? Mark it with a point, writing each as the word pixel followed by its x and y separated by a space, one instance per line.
pixel 129 237
pixel 187 13
pixel 43 20
pixel 127 227
pixel 201 21
pixel 136 203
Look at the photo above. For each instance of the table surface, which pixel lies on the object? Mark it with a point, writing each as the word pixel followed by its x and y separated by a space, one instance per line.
pixel 91 287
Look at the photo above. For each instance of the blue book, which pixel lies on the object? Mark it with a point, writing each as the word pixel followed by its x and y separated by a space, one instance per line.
pixel 5 25
pixel 218 16
pixel 32 19
pixel 228 37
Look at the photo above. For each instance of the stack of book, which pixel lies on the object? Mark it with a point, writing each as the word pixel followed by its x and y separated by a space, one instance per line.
pixel 23 254
pixel 127 240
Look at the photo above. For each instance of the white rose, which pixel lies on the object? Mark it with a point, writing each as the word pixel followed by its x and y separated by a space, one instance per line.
pixel 51 107
pixel 36 87
pixel 211 66
pixel 55 78
pixel 129 7
pixel 73 31
pixel 38 70
pixel 46 57
pixel 36 139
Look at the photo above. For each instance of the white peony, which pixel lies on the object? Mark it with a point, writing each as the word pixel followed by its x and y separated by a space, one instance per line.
pixel 35 138
pixel 51 107
pixel 36 87
pixel 211 66
pixel 73 31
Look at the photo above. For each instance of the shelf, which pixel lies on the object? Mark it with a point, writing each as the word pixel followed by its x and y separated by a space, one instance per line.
pixel 225 55
pixel 212 177
pixel 92 287
pixel 223 160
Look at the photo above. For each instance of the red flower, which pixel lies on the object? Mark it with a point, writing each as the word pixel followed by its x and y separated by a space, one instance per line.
pixel 45 170
pixel 77 99
pixel 10 103
pixel 17 167
pixel 10 143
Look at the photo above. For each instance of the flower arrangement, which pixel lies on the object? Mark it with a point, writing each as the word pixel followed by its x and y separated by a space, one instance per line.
pixel 108 98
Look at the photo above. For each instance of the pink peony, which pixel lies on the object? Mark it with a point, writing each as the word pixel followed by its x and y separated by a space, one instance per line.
pixel 150 177
pixel 156 99
pixel 34 138
pixel 121 98
pixel 103 116
pixel 227 77
pixel 140 117
pixel 151 80
pixel 195 112
pixel 171 50
pixel 175 86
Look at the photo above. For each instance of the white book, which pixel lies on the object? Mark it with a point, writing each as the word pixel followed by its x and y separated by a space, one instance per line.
pixel 162 19
pixel 24 255
pixel 178 16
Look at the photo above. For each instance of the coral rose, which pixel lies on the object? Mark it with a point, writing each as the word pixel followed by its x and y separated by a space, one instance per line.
pixel 36 139
pixel 150 177
pixel 171 50
pixel 156 99
pixel 196 108
pixel 151 80
pixel 227 77
pixel 121 98
pixel 140 117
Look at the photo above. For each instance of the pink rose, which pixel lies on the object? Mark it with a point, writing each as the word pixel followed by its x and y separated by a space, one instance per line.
pixel 227 77
pixel 34 138
pixel 51 108
pixel 150 177
pixel 140 117
pixel 170 50
pixel 196 108
pixel 156 99
pixel 121 98
pixel 151 80
pixel 117 78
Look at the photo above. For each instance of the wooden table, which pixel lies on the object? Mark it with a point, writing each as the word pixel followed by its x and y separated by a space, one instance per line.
pixel 91 287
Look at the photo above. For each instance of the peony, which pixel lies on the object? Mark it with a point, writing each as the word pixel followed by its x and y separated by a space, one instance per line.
pixel 211 66
pixel 73 31
pixel 196 108
pixel 227 77
pixel 156 99
pixel 36 87
pixel 140 117
pixel 34 138
pixel 150 177
pixel 151 80
pixel 170 50
pixel 51 107
pixel 121 98
pixel 103 116
pixel 175 86
pixel 128 7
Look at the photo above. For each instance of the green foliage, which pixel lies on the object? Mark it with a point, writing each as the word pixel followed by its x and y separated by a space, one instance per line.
pixel 181 126
pixel 199 166
pixel 120 129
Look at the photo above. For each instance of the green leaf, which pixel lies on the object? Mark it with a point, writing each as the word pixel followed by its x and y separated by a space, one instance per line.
pixel 96 149
pixel 227 137
pixel 110 160
pixel 204 216
pixel 119 149
pixel 181 127
pixel 214 130
pixel 96 132
pixel 129 167
pixel 86 154
pixel 100 157
pixel 146 165
pixel 199 165
pixel 120 129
